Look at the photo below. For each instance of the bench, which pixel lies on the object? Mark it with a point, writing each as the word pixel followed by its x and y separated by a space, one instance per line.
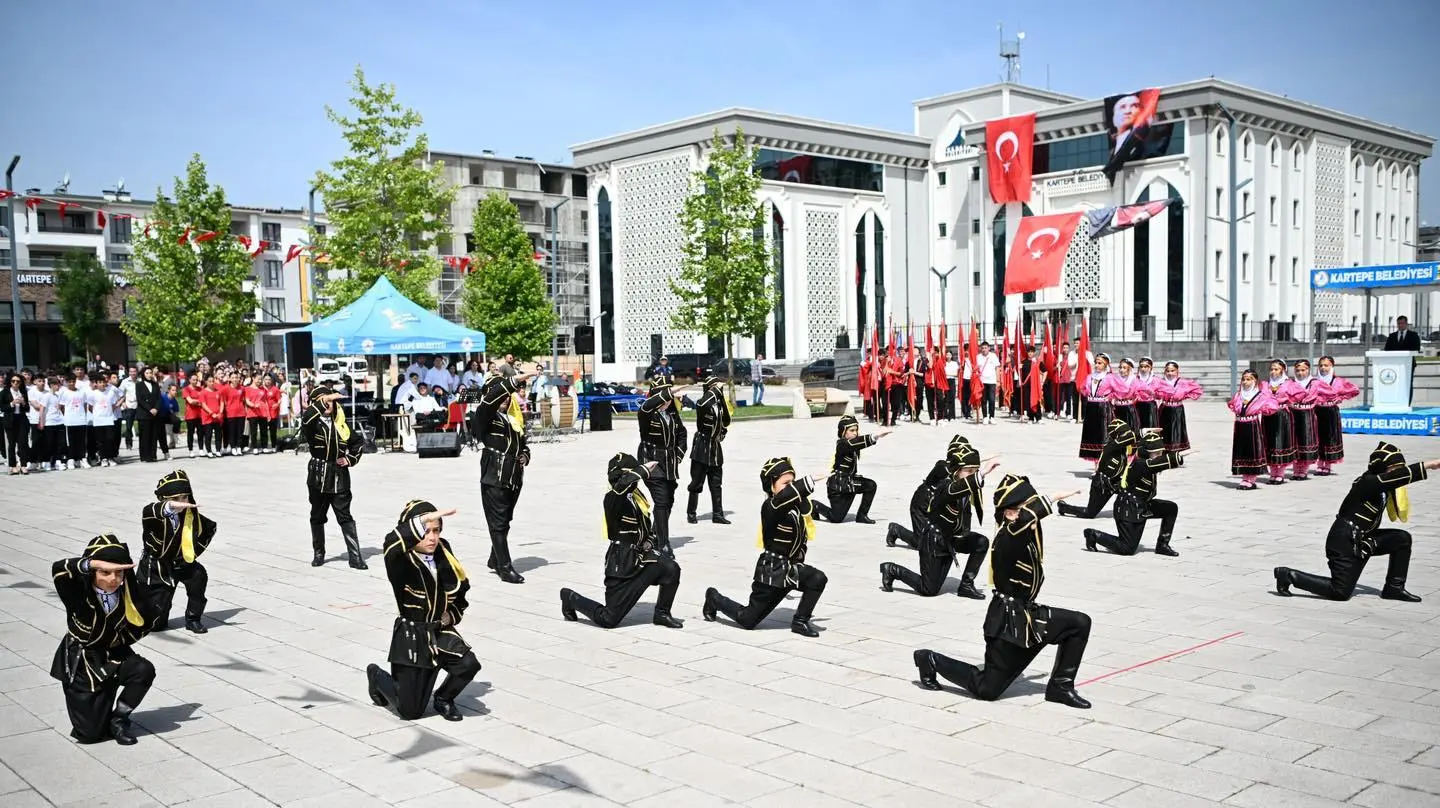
pixel 822 403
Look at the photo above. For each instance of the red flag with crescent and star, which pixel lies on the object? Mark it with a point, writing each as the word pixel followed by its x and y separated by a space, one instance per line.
pixel 1038 252
pixel 1009 157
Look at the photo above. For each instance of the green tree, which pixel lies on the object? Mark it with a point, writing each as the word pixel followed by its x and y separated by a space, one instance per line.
pixel 505 293
pixel 387 203
pixel 190 297
pixel 725 284
pixel 82 289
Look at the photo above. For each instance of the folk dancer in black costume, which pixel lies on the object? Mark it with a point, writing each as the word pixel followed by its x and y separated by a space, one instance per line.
pixel 632 564
pixel 786 528
pixel 505 453
pixel 1135 501
pixel 1016 627
pixel 1356 535
pixel 334 450
pixel 845 480
pixel 662 441
pixel 105 614
pixel 430 587
pixel 175 534
pixel 712 422
pixel 938 477
pixel 1105 480
pixel 945 528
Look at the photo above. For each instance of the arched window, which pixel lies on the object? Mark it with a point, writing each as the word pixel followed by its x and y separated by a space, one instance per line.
pixel 1274 152
pixel 1000 256
pixel 777 237
pixel 1174 263
pixel 860 277
pixel 1245 146
pixel 1219 140
pixel 606 262
pixel 879 243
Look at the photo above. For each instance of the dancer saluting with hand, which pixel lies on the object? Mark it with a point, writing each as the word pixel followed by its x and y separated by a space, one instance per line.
pixel 662 441
pixel 1016 627
pixel 500 423
pixel 334 450
pixel 175 534
pixel 712 422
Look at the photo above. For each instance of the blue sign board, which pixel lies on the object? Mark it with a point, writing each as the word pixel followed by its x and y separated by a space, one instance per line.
pixel 1363 422
pixel 1379 277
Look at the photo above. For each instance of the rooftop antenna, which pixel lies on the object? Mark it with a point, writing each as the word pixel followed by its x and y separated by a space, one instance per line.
pixel 64 186
pixel 1010 53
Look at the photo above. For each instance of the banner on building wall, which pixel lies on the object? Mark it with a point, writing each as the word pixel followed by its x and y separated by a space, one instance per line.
pixel 1038 252
pixel 1134 135
pixel 1010 155
pixel 1105 221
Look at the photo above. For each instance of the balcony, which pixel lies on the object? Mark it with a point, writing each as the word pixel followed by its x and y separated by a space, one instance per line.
pixel 69 227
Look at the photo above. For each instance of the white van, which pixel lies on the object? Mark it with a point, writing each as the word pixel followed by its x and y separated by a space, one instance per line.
pixel 333 369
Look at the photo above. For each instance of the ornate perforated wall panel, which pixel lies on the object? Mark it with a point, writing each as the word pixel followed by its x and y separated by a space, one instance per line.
pixel 650 196
pixel 1328 233
pixel 1082 267
pixel 822 273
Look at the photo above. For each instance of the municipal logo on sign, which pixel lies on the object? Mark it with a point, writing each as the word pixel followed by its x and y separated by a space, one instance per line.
pixel 340 344
pixel 467 344
pixel 398 319
pixel 1387 376
pixel 368 346
pixel 1321 278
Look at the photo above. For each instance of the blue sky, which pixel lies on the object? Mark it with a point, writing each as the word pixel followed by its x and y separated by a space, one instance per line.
pixel 105 90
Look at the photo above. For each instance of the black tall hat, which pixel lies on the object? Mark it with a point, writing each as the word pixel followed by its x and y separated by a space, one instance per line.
pixel 174 484
pixel 619 465
pixel 774 469
pixel 1013 491
pixel 1385 456
pixel 846 421
pixel 961 454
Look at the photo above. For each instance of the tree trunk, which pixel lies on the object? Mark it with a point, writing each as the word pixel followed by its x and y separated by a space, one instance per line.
pixel 730 364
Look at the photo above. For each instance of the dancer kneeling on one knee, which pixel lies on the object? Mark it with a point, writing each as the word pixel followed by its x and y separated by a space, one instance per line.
pixel 632 564
pixel 430 587
pixel 1016 627
pixel 845 480
pixel 786 528
pixel 1136 502
pixel 944 528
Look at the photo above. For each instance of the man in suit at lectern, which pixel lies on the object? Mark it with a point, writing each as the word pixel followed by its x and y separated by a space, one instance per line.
pixel 1403 339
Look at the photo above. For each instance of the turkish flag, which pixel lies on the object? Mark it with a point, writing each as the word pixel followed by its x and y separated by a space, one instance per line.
pixel 206 236
pixel 99 220
pixel 1038 252
pixel 292 253
pixel 1009 157
pixel 1082 367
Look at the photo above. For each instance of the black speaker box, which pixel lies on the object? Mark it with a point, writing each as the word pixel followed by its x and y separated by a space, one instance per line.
pixel 584 339
pixel 438 444
pixel 299 350
pixel 600 412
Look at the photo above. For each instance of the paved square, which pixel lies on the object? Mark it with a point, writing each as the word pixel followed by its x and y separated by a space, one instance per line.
pixel 1303 703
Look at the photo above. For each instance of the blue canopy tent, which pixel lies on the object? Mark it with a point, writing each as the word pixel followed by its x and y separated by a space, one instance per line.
pixel 1415 278
pixel 383 321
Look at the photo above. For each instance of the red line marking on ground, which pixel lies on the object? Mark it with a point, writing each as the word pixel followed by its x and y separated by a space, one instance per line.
pixel 351 606
pixel 1161 658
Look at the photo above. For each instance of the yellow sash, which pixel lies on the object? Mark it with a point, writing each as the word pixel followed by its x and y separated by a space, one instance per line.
pixel 516 416
pixel 638 497
pixel 729 405
pixel 187 536
pixel 809 532
pixel 132 614
pixel 454 564
pixel 341 428
pixel 1398 505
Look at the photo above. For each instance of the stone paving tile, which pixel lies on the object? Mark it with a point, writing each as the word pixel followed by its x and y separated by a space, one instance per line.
pixel 269 708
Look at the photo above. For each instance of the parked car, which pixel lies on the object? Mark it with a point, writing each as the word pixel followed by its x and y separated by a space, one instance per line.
pixel 819 370
pixel 334 369
pixel 742 372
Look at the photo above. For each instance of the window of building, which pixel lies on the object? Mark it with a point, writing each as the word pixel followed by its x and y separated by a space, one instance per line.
pixel 1358 169
pixel 529 212
pixel 777 240
pixel 53 312
pixel 120 229
pixel 274 309
pixel 810 169
pixel 1409 180
pixel 1219 201
pixel 5 216
pixel 584 222
pixel 1272 270
pixel 1245 146
pixel 319 229
pixel 1356 217
pixel 1392 227
pixel 1406 231
pixel 274 275
pixel 1379 174
pixel 1092 151
pixel 579 186
pixel 78 223
pixel 511 177
pixel 1175 265
pixel 1274 211
pixel 1245 204
pixel 877 246
pixel 606 266
pixel 1394 178
pixel 1244 267
pixel 1219 140
pixel 940 178
pixel 1377 225
pixel 1274 152
pixel 552 183
pixel 1295 158
pixel 861 274
pixel 974 227
pixel 999 253
pixel 1140 269
pixel 1294 271
pixel 1219 264
pixel 7 312
pixel 942 230
pixel 270 231
pixel 975 173
pixel 1295 213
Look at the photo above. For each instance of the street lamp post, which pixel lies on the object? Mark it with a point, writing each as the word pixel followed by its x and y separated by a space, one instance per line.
pixel 14 266
pixel 1234 222
pixel 310 262
pixel 944 287
pixel 555 281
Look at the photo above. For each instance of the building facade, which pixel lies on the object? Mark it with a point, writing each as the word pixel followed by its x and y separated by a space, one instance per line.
pixel 1319 189
pixel 46 234
pixel 846 216
pixel 554 210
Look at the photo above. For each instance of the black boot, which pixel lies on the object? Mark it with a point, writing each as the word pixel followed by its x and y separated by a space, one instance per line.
pixel 717 510
pixel 382 688
pixel 1395 590
pixel 890 534
pixel 1066 509
pixel 120 724
pixel 967 587
pixel 1282 581
pixel 1068 655
pixel 712 598
pixel 1162 547
pixel 447 710
pixel 1062 691
pixel 1314 584
pixel 664 618
pixel 863 519
pixel 193 624
pixel 317 543
pixel 925 666
pixel 1090 534
pixel 352 548
pixel 801 625
pixel 508 574
pixel 567 610
pixel 887 577
pixel 690 506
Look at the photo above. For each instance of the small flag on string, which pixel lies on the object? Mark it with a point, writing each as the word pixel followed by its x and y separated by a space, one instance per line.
pixel 293 253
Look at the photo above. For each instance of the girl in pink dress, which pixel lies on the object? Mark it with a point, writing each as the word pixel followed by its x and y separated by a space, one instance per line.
pixel 1147 408
pixel 1279 425
pixel 1171 392
pixel 1248 453
pixel 1332 391
pixel 1124 392
pixel 1094 392
pixel 1303 400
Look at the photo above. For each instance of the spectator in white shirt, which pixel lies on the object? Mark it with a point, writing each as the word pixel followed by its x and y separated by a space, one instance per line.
pixel 473 376
pixel 439 374
pixel 952 382
pixel 129 405
pixel 417 368
pixel 407 389
pixel 104 432
pixel 988 365
pixel 75 404
pixel 39 397
pixel 55 424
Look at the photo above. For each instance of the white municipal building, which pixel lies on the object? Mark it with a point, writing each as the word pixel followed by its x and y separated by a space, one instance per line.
pixel 862 220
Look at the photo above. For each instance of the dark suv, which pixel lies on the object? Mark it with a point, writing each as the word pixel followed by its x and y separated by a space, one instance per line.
pixel 742 371
pixel 819 370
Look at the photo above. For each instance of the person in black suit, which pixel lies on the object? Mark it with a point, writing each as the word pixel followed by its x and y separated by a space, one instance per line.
pixel 147 399
pixel 1403 339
